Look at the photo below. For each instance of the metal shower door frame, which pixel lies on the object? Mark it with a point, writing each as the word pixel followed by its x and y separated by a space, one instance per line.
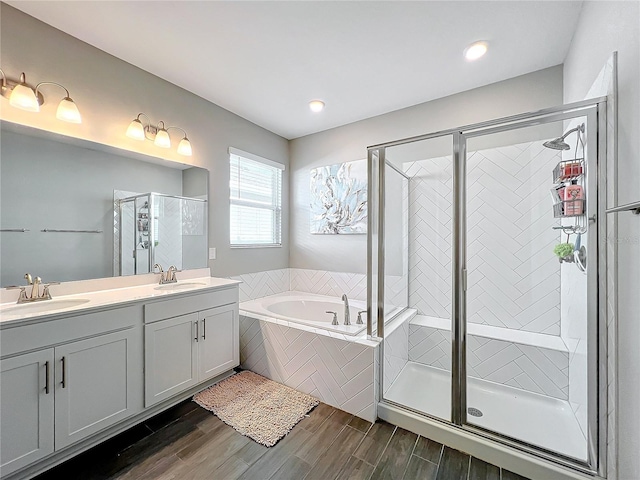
pixel 595 111
pixel 460 286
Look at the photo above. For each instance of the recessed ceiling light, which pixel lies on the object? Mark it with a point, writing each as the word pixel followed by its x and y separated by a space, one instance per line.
pixel 475 50
pixel 316 105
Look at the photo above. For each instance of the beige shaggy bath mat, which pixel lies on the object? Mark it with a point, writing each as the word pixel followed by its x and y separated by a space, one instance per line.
pixel 255 406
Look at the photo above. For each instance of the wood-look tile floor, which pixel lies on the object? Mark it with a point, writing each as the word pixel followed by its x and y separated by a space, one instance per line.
pixel 188 442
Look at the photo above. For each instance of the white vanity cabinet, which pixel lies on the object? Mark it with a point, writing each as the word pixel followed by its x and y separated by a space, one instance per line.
pixel 56 396
pixel 93 385
pixel 170 357
pixel 26 409
pixel 219 343
pixel 188 341
pixel 71 380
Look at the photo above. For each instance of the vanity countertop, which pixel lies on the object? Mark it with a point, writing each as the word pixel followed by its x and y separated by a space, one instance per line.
pixel 12 314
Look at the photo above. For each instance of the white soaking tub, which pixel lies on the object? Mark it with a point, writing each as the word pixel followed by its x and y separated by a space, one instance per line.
pixel 309 309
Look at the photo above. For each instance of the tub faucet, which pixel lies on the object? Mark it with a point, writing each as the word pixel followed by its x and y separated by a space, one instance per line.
pixel 347 317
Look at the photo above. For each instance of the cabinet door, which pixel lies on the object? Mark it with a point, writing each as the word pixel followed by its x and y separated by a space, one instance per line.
pixel 169 357
pixel 218 348
pixel 92 380
pixel 26 409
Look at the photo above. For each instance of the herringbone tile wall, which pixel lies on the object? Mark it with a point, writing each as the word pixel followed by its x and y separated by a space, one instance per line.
pixel 396 353
pixel 514 279
pixel 262 284
pixel 539 370
pixel 332 284
pixel 338 372
pixel 430 225
pixel 320 282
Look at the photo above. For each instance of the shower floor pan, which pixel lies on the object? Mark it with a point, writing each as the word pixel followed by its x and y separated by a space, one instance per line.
pixel 536 419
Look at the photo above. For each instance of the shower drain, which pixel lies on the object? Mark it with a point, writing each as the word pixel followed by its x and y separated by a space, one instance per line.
pixel 474 412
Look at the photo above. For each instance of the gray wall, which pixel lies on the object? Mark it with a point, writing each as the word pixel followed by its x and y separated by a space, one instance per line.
pixel 605 27
pixel 110 93
pixel 348 253
pixel 49 184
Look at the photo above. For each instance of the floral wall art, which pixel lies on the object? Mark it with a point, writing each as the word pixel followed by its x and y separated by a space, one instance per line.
pixel 339 199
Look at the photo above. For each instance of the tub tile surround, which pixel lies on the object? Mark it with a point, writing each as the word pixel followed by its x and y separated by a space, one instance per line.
pixel 320 282
pixel 536 369
pixel 341 373
pixel 332 284
pixel 263 284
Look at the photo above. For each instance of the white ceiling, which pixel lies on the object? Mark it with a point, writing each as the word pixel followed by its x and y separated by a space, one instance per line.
pixel 266 60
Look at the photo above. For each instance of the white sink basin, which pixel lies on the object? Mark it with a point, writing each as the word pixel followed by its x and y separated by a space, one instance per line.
pixel 180 286
pixel 43 306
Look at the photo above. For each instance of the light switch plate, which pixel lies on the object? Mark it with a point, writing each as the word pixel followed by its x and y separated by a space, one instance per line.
pixel 212 253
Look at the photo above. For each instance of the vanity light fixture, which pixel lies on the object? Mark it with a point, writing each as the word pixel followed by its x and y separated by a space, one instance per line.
pixel 316 105
pixel 476 50
pixel 23 96
pixel 158 134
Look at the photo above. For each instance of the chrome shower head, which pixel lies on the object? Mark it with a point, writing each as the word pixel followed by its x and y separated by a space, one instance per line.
pixel 559 143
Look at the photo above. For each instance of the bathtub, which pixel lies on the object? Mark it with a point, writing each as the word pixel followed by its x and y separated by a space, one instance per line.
pixel 289 338
pixel 309 309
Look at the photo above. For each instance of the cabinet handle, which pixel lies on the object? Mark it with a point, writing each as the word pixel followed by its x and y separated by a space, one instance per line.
pixel 204 328
pixel 46 377
pixel 197 334
pixel 64 376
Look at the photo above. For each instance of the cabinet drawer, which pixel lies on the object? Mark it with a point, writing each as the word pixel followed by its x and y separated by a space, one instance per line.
pixel 175 307
pixel 47 333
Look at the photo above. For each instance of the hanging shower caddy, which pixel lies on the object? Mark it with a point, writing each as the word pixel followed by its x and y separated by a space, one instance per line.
pixel 566 175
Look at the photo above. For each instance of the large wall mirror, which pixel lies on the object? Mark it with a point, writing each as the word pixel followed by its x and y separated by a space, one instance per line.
pixel 75 210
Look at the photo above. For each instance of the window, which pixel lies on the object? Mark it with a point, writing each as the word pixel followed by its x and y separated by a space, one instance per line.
pixel 255 185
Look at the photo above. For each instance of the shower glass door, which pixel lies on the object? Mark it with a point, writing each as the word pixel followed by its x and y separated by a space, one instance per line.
pixel 505 326
pixel 419 201
pixel 530 263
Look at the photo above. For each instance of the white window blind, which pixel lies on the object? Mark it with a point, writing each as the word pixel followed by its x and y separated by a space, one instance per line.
pixel 256 200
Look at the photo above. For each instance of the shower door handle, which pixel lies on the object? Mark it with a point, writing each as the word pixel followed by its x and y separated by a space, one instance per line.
pixel 464 279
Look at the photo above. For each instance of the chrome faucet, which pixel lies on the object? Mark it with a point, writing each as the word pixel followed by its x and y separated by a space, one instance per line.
pixel 157 266
pixel 334 320
pixel 35 286
pixel 170 276
pixel 166 277
pixel 347 316
pixel 35 295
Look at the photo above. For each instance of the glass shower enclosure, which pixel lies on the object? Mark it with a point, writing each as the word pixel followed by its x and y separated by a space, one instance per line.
pixel 502 334
pixel 155 228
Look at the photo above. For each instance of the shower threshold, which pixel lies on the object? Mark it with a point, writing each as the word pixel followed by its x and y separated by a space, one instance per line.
pixel 536 419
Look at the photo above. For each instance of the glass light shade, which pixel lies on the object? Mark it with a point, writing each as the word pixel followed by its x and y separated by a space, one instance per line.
pixel 24 98
pixel 162 139
pixel 136 130
pixel 475 50
pixel 68 111
pixel 184 147
pixel 316 105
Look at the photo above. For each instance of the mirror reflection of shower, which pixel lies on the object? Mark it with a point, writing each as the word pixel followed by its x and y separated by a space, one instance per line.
pixel 154 228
